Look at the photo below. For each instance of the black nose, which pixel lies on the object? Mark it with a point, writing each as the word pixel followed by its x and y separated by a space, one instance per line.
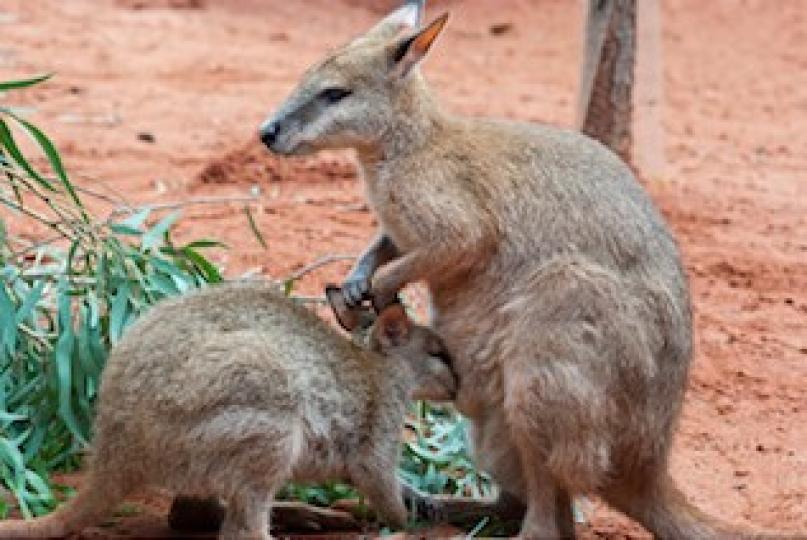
pixel 269 134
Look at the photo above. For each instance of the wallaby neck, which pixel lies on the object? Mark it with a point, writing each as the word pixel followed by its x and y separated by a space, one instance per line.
pixel 418 120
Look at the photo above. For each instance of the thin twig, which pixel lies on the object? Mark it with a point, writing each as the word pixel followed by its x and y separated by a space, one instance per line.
pixel 122 200
pixel 182 204
pixel 117 200
pixel 39 217
pixel 85 280
pixel 66 213
pixel 34 246
pixel 30 333
pixel 323 261
pixel 310 299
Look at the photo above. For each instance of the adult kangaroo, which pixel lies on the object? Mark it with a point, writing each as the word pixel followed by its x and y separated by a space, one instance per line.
pixel 554 281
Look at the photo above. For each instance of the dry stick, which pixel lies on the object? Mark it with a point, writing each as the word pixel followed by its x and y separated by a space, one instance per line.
pixel 182 204
pixel 297 516
pixel 39 217
pixel 67 215
pixel 310 299
pixel 322 261
pixel 122 200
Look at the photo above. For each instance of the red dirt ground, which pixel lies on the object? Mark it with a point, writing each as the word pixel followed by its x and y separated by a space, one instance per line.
pixel 199 76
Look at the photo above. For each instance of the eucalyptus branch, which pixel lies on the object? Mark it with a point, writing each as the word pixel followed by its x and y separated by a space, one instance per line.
pixel 68 214
pixel 56 225
pixel 55 276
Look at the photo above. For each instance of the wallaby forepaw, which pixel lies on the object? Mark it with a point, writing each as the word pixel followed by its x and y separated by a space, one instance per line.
pixel 356 289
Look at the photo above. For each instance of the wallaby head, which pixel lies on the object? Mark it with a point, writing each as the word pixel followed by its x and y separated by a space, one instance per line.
pixel 354 96
pixel 393 334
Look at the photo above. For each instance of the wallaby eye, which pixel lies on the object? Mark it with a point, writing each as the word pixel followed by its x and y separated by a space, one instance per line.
pixel 333 95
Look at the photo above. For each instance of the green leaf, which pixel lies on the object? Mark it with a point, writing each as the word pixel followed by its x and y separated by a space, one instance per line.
pixel 22 83
pixel 117 312
pixel 254 227
pixel 8 417
pixel 62 356
pixel 204 243
pixel 120 228
pixel 7 141
pixel 163 284
pixel 8 322
pixel 34 295
pixel 207 269
pixel 155 235
pixel 53 157
pixel 136 220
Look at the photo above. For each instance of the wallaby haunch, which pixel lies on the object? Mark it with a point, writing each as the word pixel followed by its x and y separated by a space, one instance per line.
pixel 554 281
pixel 233 390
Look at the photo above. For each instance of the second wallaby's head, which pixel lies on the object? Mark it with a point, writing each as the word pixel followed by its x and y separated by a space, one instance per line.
pixel 393 334
pixel 359 92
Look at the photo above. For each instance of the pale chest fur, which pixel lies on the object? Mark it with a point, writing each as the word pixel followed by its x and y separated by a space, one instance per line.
pixel 402 203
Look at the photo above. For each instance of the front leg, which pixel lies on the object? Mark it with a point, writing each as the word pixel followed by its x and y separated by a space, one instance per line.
pixel 434 263
pixel 356 287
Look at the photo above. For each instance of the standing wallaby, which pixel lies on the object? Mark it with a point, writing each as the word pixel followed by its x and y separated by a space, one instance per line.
pixel 554 282
pixel 233 390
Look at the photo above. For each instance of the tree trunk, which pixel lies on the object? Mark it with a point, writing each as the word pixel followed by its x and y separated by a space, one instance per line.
pixel 605 105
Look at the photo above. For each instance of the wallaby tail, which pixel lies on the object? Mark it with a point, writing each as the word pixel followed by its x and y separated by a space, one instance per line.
pixel 94 501
pixel 664 510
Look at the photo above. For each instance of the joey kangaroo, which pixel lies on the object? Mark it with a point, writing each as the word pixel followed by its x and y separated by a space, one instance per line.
pixel 553 279
pixel 233 390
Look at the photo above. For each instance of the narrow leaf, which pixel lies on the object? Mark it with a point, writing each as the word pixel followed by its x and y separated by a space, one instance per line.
pixel 155 235
pixel 22 83
pixel 7 141
pixel 254 227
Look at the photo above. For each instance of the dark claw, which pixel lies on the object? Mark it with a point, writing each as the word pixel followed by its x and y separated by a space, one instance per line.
pixel 356 291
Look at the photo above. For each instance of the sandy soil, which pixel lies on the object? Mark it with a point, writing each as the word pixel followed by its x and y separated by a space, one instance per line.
pixel 198 77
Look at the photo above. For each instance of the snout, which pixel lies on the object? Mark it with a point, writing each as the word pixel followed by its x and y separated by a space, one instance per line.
pixel 268 134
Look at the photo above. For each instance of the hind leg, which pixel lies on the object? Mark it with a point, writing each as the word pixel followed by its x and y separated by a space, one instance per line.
pixel 542 495
pixel 379 482
pixel 247 516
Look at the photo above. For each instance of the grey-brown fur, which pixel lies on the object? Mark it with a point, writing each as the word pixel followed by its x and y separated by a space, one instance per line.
pixel 554 281
pixel 233 390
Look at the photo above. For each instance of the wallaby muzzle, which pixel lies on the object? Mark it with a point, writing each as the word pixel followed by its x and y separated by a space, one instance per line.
pixel 268 133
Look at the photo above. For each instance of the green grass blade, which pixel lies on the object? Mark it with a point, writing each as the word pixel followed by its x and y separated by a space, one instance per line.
pixel 254 228
pixel 22 83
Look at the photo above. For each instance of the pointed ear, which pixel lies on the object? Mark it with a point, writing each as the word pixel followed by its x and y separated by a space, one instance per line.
pixel 409 51
pixel 408 16
pixel 393 326
pixel 348 318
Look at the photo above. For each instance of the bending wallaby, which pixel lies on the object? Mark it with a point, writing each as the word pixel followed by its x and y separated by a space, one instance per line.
pixel 233 390
pixel 553 279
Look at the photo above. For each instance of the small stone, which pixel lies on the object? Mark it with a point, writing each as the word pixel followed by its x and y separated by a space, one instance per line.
pixel 499 29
